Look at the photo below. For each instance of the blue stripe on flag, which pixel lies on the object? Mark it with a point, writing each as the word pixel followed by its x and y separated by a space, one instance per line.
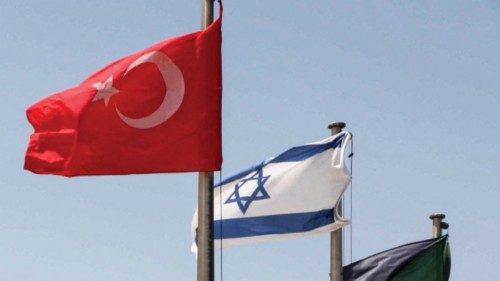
pixel 275 224
pixel 300 153
pixel 240 174
pixel 294 154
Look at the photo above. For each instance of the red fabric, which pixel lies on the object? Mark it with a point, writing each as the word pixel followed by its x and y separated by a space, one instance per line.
pixel 76 133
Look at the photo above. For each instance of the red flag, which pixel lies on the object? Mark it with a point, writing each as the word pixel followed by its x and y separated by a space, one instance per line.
pixel 158 110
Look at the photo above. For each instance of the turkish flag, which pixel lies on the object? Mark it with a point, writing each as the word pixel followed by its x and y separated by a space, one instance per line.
pixel 157 110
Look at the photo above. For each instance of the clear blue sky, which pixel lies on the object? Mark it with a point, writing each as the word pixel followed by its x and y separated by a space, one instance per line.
pixel 418 83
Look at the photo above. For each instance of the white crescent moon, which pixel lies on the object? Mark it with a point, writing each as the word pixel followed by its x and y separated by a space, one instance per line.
pixel 174 92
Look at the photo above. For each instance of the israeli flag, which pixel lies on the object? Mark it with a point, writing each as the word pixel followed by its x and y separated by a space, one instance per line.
pixel 291 195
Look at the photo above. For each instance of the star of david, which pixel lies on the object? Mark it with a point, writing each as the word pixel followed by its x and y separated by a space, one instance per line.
pixel 248 190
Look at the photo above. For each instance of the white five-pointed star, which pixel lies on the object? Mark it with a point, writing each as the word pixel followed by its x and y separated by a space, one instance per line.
pixel 105 90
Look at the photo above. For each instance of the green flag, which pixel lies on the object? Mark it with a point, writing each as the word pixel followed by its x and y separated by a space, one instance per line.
pixel 427 260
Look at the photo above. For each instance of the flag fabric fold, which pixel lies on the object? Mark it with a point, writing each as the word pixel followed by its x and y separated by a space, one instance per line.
pixel 291 195
pixel 157 110
pixel 427 260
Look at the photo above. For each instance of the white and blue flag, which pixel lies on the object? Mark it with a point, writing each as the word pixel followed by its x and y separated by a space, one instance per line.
pixel 288 196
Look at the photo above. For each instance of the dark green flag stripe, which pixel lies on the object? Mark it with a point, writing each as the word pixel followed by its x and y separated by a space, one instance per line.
pixel 430 265
pixel 390 264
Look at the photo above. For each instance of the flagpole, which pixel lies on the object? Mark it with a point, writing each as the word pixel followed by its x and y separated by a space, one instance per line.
pixel 336 236
pixel 438 224
pixel 205 242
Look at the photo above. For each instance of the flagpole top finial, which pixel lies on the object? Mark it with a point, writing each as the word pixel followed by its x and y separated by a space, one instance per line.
pixel 437 216
pixel 336 127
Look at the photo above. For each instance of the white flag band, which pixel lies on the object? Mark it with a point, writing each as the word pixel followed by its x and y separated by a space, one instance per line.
pixel 291 195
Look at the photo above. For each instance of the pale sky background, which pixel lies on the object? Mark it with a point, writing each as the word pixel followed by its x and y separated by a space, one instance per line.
pixel 416 81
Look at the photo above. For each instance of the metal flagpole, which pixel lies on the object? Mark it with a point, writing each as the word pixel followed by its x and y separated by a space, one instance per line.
pixel 205 266
pixel 205 242
pixel 438 224
pixel 336 236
